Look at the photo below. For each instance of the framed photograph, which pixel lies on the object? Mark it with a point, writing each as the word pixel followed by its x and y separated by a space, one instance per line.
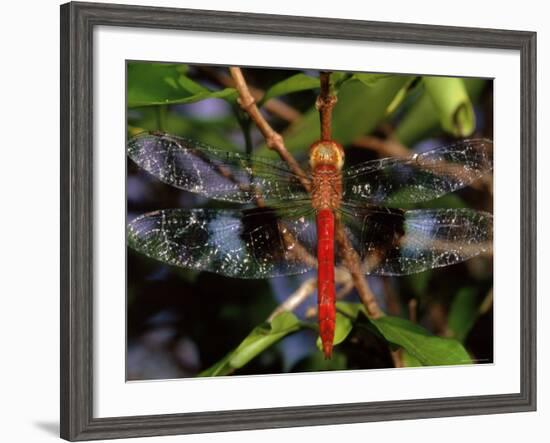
pixel 272 221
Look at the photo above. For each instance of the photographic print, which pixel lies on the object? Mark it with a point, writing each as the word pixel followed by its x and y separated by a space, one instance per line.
pixel 284 220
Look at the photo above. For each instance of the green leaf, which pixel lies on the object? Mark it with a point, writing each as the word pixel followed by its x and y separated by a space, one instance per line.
pixel 418 122
pixel 261 338
pixel 399 97
pixel 422 118
pixel 360 108
pixel 418 343
pixel 151 84
pixel 298 82
pixel 463 313
pixel 371 80
pixel 428 349
pixel 212 131
pixel 344 325
pixel 357 313
pixel 349 309
pixel 451 101
pixel 420 347
pixel 222 367
pixel 409 361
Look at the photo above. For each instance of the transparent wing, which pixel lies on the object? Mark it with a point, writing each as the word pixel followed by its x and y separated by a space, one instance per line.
pixel 396 242
pixel 216 174
pixel 250 243
pixel 394 182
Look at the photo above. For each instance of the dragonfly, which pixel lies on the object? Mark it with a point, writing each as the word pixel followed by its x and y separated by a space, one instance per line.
pixel 285 223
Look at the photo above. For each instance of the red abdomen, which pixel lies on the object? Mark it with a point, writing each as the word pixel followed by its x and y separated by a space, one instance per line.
pixel 325 279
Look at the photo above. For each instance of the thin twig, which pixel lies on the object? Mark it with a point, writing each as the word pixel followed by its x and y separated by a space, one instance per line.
pixel 295 299
pixel 347 285
pixel 393 305
pixel 397 355
pixel 273 139
pixel 383 147
pixel 307 288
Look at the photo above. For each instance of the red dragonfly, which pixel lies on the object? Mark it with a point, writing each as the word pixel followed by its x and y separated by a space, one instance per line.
pixel 285 229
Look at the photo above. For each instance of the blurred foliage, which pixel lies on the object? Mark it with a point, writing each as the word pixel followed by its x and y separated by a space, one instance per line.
pixel 452 104
pixel 296 83
pixel 183 323
pixel 152 84
pixel 422 117
pixel 463 313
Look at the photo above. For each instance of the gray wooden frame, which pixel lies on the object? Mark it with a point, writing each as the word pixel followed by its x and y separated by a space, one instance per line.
pixel 77 23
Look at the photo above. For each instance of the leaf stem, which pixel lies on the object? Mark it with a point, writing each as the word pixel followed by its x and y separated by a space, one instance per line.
pixel 160 115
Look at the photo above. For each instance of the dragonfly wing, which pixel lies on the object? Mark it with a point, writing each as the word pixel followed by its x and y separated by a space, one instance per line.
pixel 214 173
pixel 394 182
pixel 250 243
pixel 396 242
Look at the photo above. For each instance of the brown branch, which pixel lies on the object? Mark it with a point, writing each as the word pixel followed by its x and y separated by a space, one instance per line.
pixel 397 355
pixel 325 104
pixel 383 147
pixel 295 248
pixel 393 305
pixel 346 281
pixel 273 139
pixel 248 104
pixel 352 261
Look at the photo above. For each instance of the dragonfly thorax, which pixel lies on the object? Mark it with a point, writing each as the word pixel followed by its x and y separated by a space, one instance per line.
pixel 326 189
pixel 326 158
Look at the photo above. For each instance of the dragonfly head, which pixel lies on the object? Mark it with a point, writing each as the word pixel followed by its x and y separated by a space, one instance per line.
pixel 326 153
